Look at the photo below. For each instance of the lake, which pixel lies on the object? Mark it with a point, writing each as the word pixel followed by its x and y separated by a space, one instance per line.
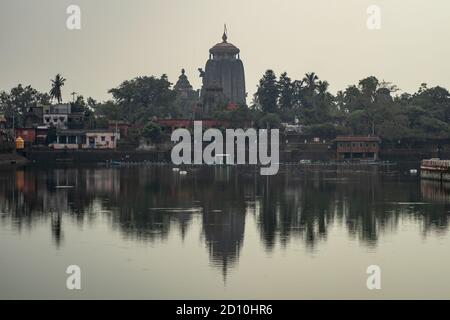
pixel 147 232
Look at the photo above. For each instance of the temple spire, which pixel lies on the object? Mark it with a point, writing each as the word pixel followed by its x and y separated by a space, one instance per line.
pixel 225 36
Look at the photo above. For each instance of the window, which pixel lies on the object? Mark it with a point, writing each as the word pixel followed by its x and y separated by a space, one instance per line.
pixel 112 138
pixel 72 139
pixel 103 138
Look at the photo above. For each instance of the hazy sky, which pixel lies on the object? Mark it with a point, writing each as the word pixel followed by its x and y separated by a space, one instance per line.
pixel 122 39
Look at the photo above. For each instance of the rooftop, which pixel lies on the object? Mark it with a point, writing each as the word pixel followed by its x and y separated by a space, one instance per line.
pixel 358 139
pixel 224 47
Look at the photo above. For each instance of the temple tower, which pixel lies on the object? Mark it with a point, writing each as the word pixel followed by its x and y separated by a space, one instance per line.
pixel 223 76
pixel 187 97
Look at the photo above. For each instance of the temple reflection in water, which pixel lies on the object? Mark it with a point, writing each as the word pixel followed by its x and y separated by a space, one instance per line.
pixel 149 203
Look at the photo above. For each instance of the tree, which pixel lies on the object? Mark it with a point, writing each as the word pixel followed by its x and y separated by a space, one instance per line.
pixel 57 84
pixel 267 94
pixel 310 81
pixel 269 121
pixel 152 131
pixel 18 101
pixel 286 92
pixel 145 97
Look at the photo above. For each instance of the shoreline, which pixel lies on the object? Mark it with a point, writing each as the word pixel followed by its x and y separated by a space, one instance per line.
pixel 12 159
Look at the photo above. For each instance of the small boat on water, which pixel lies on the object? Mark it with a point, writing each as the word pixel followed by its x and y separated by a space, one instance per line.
pixel 435 169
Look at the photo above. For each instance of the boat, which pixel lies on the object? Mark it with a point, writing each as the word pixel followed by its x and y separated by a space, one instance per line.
pixel 435 169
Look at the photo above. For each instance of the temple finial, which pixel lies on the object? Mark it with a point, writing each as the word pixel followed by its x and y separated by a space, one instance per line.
pixel 225 36
pixel 183 71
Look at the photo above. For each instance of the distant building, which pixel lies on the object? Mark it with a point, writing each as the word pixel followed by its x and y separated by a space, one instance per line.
pixel 60 108
pixel 75 120
pixel 223 77
pixel 187 97
pixel 121 126
pixel 357 148
pixel 102 139
pixel 41 135
pixel 27 134
pixel 86 139
pixel 169 125
pixel 70 139
pixel 33 117
pixel 57 115
pixel 2 122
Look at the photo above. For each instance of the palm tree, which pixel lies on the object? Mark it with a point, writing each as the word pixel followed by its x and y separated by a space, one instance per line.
pixel 322 86
pixel 57 83
pixel 310 80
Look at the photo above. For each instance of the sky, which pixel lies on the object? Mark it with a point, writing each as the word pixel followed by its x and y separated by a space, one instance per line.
pixel 123 39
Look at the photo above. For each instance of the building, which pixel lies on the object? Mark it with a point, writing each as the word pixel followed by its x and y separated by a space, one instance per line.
pixel 86 139
pixel 41 135
pixel 357 148
pixel 60 108
pixel 33 117
pixel 57 115
pixel 119 126
pixel 70 139
pixel 187 97
pixel 102 139
pixel 27 134
pixel 75 120
pixel 169 125
pixel 223 77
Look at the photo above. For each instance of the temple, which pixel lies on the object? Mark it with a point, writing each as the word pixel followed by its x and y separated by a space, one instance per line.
pixel 223 77
pixel 187 97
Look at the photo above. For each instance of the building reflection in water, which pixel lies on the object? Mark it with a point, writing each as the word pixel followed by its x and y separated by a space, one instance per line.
pixel 148 203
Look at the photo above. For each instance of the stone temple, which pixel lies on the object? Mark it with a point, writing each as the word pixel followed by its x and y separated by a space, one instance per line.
pixel 187 97
pixel 223 77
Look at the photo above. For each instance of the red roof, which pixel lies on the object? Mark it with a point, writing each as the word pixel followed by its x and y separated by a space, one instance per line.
pixel 232 106
pixel 357 139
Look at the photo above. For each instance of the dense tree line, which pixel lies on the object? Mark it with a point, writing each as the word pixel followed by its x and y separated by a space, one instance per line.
pixel 369 107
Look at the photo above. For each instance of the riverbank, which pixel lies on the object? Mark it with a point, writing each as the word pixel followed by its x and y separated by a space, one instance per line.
pixel 314 153
pixel 8 159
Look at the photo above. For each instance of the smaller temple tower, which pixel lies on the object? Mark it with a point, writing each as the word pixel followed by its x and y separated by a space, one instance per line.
pixel 187 97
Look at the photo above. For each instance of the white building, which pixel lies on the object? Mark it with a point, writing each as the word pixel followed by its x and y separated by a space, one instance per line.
pixel 57 115
pixel 102 139
pixel 86 139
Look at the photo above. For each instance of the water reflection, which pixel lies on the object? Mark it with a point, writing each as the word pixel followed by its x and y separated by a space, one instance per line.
pixel 149 203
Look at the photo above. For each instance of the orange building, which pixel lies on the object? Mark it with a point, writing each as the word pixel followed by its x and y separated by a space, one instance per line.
pixel 357 148
pixel 27 134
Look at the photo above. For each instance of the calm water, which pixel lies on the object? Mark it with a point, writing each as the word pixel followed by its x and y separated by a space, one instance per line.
pixel 147 232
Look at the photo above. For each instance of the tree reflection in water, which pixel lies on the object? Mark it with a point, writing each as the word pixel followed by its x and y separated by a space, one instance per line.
pixel 148 203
